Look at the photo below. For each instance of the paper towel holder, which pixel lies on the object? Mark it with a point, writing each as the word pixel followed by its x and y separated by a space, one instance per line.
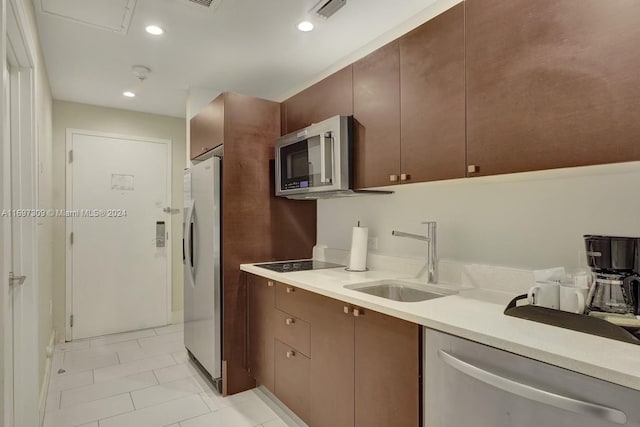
pixel 358 270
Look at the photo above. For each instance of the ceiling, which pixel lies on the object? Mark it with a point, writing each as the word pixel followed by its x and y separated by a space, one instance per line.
pixel 247 46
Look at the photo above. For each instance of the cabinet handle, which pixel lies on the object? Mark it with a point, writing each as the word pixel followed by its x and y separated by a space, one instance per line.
pixel 405 177
pixel 472 169
pixel 270 283
pixel 393 178
pixel 530 392
pixel 346 309
pixel 291 354
pixel 291 290
pixel 357 312
pixel 289 321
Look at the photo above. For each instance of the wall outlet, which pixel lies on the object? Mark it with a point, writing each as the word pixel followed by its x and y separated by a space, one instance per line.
pixel 372 243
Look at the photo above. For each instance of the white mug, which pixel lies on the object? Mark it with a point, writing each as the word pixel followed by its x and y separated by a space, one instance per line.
pixel 573 298
pixel 545 294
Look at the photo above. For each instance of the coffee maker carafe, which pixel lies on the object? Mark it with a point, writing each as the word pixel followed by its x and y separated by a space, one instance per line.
pixel 616 283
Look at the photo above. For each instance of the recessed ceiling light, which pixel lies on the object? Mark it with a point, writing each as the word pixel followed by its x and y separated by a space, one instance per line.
pixel 305 26
pixel 154 30
pixel 129 94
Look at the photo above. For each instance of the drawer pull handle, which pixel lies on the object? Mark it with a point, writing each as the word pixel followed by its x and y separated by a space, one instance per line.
pixel 472 169
pixel 291 290
pixel 291 354
pixel 393 178
pixel 270 283
pixel 405 177
pixel 532 393
pixel 357 312
pixel 289 321
pixel 346 309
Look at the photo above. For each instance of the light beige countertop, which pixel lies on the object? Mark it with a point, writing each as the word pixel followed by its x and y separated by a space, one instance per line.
pixel 477 314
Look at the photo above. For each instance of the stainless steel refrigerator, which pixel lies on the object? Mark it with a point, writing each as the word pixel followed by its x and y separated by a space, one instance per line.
pixel 202 268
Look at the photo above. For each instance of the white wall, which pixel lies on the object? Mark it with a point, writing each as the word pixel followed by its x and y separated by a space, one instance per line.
pixel 123 122
pixel 529 220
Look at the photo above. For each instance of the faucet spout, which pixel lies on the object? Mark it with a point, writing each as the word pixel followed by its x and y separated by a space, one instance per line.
pixel 432 256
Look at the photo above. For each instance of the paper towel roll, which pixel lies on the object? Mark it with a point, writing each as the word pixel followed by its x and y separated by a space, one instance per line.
pixel 359 239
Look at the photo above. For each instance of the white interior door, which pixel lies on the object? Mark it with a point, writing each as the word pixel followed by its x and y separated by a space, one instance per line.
pixel 117 192
pixel 6 259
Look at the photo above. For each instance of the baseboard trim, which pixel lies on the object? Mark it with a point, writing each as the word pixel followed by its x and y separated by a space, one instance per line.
pixel 286 414
pixel 47 375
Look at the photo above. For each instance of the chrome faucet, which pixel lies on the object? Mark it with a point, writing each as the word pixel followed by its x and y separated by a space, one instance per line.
pixel 432 259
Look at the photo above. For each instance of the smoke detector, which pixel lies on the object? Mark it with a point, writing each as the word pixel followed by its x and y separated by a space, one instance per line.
pixel 326 9
pixel 141 72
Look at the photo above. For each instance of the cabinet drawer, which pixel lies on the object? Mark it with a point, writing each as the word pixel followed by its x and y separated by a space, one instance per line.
pixel 292 331
pixel 292 379
pixel 295 301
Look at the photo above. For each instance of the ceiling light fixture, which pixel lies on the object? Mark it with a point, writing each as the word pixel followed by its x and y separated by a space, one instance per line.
pixel 305 26
pixel 129 94
pixel 154 30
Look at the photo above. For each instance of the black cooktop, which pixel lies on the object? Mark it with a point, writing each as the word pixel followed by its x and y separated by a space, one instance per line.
pixel 307 264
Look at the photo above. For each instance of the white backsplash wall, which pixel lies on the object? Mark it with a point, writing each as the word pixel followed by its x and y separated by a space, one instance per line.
pixel 527 220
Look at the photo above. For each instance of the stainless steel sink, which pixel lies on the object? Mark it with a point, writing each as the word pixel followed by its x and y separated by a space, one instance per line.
pixel 399 291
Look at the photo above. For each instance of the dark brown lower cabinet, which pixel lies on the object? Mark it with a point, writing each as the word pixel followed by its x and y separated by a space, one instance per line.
pixel 332 362
pixel 387 371
pixel 292 379
pixel 261 307
pixel 334 365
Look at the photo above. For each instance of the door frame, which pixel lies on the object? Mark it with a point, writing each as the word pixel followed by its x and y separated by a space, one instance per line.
pixel 20 399
pixel 70 132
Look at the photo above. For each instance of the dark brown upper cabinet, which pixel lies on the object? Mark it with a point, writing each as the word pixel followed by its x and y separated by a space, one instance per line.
pixel 376 113
pixel 327 98
pixel 207 128
pixel 552 83
pixel 432 99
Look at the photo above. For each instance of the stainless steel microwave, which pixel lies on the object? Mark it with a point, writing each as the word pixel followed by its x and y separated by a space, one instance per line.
pixel 316 162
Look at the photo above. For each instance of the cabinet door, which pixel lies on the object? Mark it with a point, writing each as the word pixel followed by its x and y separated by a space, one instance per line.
pixel 387 371
pixel 432 87
pixel 207 128
pixel 292 379
pixel 376 113
pixel 327 98
pixel 552 83
pixel 332 361
pixel 261 300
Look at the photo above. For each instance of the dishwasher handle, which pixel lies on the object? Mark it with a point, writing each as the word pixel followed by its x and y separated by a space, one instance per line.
pixel 532 393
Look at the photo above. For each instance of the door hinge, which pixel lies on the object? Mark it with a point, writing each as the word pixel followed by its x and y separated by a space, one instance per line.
pixel 70 156
pixel 71 321
pixel 71 238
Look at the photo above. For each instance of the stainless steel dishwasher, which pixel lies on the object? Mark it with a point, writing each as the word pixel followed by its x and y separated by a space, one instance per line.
pixel 470 384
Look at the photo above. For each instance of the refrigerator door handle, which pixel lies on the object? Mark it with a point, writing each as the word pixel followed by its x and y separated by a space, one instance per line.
pixel 189 265
pixel 533 393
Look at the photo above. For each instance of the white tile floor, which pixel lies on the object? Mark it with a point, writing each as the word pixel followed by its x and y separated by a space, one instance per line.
pixel 142 379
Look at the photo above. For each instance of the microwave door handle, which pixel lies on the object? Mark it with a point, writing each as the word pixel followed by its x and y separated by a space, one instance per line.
pixel 326 159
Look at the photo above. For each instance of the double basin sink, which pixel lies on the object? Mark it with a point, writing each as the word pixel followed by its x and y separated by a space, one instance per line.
pixel 400 291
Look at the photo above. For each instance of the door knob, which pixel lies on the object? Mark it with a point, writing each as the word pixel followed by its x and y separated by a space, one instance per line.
pixel 290 290
pixel 405 177
pixel 289 321
pixel 472 169
pixel 270 283
pixel 16 280
pixel 291 354
pixel 357 312
pixel 346 309
pixel 393 178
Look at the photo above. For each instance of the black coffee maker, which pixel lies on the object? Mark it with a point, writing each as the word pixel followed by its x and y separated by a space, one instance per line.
pixel 615 263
